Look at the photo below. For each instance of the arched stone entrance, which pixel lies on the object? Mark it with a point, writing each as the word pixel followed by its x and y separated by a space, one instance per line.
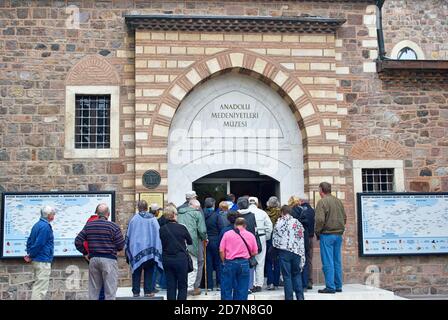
pixel 233 121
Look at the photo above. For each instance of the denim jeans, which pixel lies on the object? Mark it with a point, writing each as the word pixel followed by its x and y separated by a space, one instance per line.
pixel 213 263
pixel 162 278
pixel 330 253
pixel 292 275
pixel 272 267
pixel 148 270
pixel 158 278
pixel 235 279
pixel 305 271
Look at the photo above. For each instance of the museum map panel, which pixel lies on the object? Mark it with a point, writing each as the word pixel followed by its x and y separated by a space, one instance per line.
pixel 22 211
pixel 404 224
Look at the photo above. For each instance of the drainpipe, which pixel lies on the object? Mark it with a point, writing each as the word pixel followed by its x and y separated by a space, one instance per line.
pixel 379 30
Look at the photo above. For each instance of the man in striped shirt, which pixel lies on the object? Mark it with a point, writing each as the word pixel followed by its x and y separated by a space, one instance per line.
pixel 105 239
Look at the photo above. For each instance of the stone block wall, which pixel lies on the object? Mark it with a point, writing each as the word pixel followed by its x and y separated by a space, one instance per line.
pixel 423 22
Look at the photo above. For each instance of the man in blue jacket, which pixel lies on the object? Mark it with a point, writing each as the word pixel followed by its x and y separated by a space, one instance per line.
pixel 40 251
pixel 306 215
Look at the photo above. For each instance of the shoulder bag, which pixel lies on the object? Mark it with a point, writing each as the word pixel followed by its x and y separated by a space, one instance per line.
pixel 252 261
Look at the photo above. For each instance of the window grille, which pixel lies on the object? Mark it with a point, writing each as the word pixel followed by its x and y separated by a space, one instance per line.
pixel 378 180
pixel 92 121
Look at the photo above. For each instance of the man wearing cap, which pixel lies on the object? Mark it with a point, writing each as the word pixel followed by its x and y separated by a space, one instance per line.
pixel 264 231
pixel 143 247
pixel 190 195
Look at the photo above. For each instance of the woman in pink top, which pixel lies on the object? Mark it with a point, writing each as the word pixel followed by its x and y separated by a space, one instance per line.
pixel 236 247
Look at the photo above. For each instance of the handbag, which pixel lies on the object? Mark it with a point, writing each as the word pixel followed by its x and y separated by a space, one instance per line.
pixel 189 260
pixel 272 253
pixel 257 237
pixel 252 261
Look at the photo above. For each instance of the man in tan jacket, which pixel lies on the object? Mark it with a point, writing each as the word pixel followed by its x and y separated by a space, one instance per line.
pixel 329 227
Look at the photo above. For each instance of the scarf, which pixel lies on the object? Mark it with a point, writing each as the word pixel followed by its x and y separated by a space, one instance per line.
pixel 143 241
pixel 274 214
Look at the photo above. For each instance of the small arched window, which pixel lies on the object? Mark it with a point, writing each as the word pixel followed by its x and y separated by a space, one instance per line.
pixel 407 50
pixel 407 54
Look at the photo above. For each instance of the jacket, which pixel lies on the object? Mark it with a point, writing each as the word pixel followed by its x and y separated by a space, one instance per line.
pixel 264 224
pixel 289 235
pixel 214 223
pixel 171 249
pixel 330 216
pixel 224 230
pixel 305 214
pixel 40 243
pixel 250 220
pixel 194 221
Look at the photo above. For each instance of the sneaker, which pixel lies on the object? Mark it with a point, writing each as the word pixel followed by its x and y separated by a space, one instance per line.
pixel 326 290
pixel 136 295
pixel 150 295
pixel 339 290
pixel 155 291
pixel 257 289
pixel 270 287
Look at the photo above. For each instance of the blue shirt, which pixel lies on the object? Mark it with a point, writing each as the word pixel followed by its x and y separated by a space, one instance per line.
pixel 40 243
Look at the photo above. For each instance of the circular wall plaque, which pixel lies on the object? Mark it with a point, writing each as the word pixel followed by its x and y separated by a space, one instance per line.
pixel 151 179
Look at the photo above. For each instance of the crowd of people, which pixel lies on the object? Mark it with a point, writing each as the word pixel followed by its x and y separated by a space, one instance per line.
pixel 233 246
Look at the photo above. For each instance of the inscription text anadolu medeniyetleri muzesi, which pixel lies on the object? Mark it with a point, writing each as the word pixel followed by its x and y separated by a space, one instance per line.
pixel 239 113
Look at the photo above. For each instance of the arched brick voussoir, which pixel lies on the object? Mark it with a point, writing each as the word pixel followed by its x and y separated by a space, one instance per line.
pixel 377 148
pixel 292 88
pixel 92 70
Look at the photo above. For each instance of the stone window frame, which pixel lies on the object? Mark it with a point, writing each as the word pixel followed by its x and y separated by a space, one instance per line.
pixel 397 165
pixel 410 44
pixel 70 106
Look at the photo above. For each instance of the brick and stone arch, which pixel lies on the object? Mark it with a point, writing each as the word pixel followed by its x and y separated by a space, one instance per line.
pixel 377 148
pixel 288 86
pixel 276 76
pixel 92 70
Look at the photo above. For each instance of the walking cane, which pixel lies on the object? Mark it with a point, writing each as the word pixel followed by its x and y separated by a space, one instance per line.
pixel 205 265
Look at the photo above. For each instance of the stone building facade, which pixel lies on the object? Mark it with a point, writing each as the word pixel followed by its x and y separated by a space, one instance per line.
pixel 349 114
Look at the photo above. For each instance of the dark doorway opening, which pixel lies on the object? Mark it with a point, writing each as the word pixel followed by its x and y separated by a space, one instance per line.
pixel 239 182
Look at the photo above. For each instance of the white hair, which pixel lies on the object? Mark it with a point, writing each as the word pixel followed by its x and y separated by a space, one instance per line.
pixel 169 212
pixel 273 202
pixel 46 211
